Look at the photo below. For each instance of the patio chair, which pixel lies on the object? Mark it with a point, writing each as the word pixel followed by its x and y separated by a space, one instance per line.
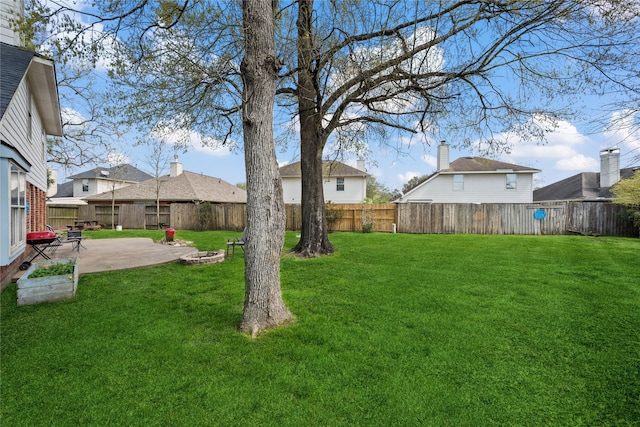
pixel 232 243
pixel 75 238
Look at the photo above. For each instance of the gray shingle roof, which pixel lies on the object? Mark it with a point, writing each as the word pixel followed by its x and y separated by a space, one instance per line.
pixel 65 190
pixel 479 164
pixel 186 187
pixel 13 66
pixel 123 172
pixel 585 185
pixel 329 168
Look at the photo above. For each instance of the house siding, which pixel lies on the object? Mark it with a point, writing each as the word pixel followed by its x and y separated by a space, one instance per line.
pixel 355 189
pixel 14 126
pixel 478 188
pixel 96 186
pixel 14 130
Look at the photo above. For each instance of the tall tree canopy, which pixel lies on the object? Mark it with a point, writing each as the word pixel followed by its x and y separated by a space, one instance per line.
pixel 355 72
pixel 464 70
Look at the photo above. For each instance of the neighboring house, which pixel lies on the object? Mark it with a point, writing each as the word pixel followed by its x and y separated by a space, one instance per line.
pixel 473 180
pixel 96 181
pixel 588 185
pixel 342 183
pixel 179 186
pixel 29 111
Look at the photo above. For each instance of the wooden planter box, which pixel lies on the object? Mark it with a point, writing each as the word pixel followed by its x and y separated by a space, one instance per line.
pixel 48 289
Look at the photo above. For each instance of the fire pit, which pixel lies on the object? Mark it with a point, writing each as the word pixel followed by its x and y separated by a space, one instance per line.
pixel 200 258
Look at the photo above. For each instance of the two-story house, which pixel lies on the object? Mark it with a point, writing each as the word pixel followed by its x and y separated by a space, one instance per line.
pixel 29 111
pixel 341 183
pixel 473 180
pixel 95 181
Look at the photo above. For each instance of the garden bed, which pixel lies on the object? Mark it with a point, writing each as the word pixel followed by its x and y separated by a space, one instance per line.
pixel 48 288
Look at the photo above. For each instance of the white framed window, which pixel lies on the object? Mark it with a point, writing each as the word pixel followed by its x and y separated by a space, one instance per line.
pixel 339 184
pixel 18 203
pixel 85 185
pixel 458 182
pixel 511 181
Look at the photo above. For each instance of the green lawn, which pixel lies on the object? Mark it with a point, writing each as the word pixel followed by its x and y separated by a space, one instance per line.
pixel 393 330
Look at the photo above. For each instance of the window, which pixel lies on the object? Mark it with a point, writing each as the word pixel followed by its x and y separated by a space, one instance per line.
pixel 339 184
pixel 458 182
pixel 18 185
pixel 85 185
pixel 511 181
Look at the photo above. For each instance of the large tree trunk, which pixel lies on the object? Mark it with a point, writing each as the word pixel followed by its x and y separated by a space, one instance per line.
pixel 263 304
pixel 314 236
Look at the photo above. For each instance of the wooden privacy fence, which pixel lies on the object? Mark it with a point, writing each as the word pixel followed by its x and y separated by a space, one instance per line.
pixel 600 218
pixel 59 216
pixel 356 216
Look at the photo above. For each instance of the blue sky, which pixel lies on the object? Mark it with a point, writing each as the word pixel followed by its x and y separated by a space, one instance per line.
pixel 569 149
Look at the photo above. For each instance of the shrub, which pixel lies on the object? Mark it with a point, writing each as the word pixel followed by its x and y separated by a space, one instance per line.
pixel 332 215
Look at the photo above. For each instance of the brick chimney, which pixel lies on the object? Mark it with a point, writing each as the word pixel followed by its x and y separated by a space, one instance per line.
pixel 443 156
pixel 609 167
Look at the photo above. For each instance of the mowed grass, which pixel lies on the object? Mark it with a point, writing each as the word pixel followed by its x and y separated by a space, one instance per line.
pixel 393 330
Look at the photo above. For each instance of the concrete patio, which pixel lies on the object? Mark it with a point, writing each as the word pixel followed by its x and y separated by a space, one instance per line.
pixel 97 255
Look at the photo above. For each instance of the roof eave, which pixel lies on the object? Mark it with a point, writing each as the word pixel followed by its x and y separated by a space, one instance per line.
pixel 42 74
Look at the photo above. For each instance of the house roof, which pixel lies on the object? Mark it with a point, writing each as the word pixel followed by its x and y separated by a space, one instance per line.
pixel 123 172
pixel 479 164
pixel 329 168
pixel 15 63
pixel 584 185
pixel 65 190
pixel 186 187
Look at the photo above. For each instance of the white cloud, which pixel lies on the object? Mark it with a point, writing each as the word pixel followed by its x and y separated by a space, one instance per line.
pixel 117 159
pixel 72 117
pixel 578 162
pixel 430 160
pixel 406 177
pixel 173 134
pixel 527 151
pixel 623 129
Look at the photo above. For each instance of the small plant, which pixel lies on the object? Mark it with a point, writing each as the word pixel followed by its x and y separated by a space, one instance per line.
pixel 53 270
pixel 204 216
pixel 332 214
pixel 368 220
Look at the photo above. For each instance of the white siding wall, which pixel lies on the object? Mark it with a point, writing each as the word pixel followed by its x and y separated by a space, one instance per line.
pixel 355 190
pixel 478 188
pixel 9 10
pixel 292 190
pixel 14 130
pixel 96 186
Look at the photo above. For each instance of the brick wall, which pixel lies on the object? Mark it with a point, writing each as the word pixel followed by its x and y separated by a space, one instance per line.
pixel 37 216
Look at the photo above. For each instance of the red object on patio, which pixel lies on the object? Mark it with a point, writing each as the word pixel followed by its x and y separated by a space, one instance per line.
pixel 169 233
pixel 41 237
pixel 40 241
